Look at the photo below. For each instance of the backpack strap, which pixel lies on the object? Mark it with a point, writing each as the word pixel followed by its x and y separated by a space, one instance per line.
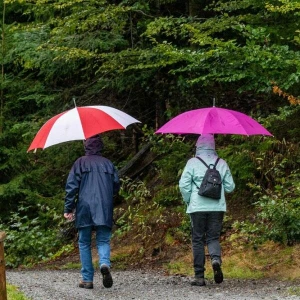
pixel 203 162
pixel 195 184
pixel 206 163
pixel 216 162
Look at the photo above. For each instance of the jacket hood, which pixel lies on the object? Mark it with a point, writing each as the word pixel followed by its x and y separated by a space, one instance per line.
pixel 93 145
pixel 205 142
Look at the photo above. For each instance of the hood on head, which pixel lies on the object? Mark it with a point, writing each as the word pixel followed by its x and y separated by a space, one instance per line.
pixel 93 145
pixel 206 142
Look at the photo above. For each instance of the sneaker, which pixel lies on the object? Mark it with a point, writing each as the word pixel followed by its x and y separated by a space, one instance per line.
pixel 107 278
pixel 198 282
pixel 86 284
pixel 218 274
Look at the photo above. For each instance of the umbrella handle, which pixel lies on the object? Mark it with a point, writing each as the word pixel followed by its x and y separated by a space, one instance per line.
pixel 74 100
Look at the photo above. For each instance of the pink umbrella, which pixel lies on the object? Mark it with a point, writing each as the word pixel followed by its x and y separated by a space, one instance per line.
pixel 80 123
pixel 213 120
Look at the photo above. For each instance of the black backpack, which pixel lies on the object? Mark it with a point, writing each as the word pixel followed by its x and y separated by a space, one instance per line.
pixel 211 185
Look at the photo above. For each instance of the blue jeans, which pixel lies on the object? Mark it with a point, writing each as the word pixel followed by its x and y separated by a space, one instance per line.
pixel 206 229
pixel 103 235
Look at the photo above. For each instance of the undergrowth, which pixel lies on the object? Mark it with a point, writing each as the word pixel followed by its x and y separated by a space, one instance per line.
pixel 14 294
pixel 30 240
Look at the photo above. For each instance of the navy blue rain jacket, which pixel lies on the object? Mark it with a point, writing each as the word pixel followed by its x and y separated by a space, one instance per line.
pixel 91 184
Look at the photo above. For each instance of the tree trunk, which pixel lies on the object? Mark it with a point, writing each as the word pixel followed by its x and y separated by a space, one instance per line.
pixel 2 70
pixel 160 108
pixel 138 156
pixel 194 8
pixel 3 295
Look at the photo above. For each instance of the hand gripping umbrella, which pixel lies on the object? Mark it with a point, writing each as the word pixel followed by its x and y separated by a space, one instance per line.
pixel 213 120
pixel 80 123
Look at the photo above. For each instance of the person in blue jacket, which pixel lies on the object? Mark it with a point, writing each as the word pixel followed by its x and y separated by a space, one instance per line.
pixel 206 214
pixel 91 184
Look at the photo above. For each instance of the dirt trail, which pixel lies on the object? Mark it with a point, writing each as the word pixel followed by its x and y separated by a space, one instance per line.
pixel 60 285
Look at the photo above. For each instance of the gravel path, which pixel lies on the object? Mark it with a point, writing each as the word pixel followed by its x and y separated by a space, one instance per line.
pixel 60 285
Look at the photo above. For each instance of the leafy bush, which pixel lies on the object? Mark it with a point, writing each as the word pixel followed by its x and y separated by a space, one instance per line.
pixel 133 190
pixel 173 157
pixel 135 194
pixel 172 154
pixel 168 196
pixel 28 240
pixel 238 153
pixel 278 214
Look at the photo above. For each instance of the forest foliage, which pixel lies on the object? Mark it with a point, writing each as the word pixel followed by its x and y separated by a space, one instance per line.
pixel 152 59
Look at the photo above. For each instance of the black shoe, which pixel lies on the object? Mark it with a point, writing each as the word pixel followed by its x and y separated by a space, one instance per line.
pixel 198 282
pixel 107 278
pixel 86 285
pixel 218 274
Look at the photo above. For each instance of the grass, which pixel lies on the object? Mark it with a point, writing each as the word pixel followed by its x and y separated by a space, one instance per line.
pixel 269 260
pixel 241 260
pixel 120 256
pixel 294 291
pixel 14 294
pixel 182 265
pixel 71 266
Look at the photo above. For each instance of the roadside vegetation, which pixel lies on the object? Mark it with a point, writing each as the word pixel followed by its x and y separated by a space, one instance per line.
pixel 14 294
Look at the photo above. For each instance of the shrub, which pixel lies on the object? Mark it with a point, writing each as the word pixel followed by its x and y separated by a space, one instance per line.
pixel 278 213
pixel 28 240
pixel 168 196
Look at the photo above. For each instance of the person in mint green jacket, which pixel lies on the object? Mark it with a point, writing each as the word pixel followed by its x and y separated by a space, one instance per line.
pixel 206 214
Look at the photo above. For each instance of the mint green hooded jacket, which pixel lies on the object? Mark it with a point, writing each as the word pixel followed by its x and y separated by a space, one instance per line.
pixel 195 170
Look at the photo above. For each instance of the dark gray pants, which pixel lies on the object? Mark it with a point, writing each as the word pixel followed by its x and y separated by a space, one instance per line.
pixel 206 229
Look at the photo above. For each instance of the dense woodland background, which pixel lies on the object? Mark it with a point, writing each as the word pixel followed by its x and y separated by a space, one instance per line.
pixel 152 59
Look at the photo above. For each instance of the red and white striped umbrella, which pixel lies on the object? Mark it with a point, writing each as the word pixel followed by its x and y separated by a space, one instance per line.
pixel 80 123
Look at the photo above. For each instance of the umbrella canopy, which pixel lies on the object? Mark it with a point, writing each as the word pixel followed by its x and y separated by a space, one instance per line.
pixel 80 123
pixel 213 120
